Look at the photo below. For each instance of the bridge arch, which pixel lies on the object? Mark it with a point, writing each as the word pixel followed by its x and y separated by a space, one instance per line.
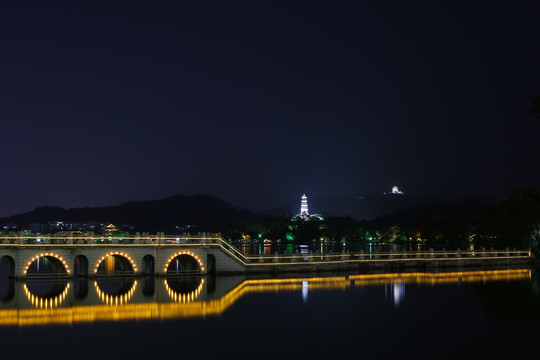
pixel 50 262
pixel 148 265
pixel 81 266
pixel 115 261
pixel 7 272
pixel 184 262
pixel 7 266
pixel 211 264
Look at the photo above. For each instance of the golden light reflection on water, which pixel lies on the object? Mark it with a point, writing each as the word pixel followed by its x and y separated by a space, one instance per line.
pixel 441 278
pixel 190 304
pixel 45 302
pixel 183 297
pixel 119 299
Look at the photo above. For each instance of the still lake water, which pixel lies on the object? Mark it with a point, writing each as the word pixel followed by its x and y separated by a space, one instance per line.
pixel 480 314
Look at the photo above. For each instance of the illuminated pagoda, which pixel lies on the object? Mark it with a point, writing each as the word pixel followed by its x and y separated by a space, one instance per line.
pixel 304 227
pixel 304 207
pixel 304 212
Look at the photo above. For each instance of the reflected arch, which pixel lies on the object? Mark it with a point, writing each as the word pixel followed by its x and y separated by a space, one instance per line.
pixel 184 288
pixel 46 294
pixel 80 287
pixel 148 285
pixel 115 291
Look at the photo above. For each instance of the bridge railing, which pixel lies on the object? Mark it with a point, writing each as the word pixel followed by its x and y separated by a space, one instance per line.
pixel 445 254
pixel 441 255
pixel 144 239
pixel 131 240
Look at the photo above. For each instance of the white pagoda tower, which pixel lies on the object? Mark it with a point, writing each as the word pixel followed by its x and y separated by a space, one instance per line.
pixel 304 207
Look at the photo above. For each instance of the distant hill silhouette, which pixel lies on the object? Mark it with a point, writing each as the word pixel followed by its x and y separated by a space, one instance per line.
pixel 207 213
pixel 210 214
pixel 362 208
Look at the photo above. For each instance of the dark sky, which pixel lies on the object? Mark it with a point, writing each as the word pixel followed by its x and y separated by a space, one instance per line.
pixel 257 102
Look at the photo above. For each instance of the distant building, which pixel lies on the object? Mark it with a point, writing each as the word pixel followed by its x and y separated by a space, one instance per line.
pixel 52 227
pixel 395 191
pixel 36 227
pixel 110 228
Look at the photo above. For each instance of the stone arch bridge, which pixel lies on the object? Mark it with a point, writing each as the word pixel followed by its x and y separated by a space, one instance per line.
pixel 137 255
pixel 162 255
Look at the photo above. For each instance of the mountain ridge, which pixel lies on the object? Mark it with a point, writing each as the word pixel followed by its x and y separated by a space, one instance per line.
pixel 205 212
pixel 202 212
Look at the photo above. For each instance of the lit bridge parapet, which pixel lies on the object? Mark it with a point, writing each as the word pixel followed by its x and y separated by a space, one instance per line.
pixel 163 254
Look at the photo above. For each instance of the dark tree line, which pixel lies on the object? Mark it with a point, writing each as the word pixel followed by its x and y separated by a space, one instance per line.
pixel 513 222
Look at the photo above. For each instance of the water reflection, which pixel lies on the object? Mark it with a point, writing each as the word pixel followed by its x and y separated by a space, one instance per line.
pixel 395 291
pixel 516 302
pixel 184 289
pixel 304 291
pixel 512 294
pixel 55 294
pixel 115 291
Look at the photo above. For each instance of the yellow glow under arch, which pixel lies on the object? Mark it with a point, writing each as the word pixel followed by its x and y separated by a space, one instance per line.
pixel 193 255
pixel 119 253
pixel 50 254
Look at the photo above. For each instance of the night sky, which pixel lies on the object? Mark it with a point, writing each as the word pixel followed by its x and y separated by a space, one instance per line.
pixel 258 102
